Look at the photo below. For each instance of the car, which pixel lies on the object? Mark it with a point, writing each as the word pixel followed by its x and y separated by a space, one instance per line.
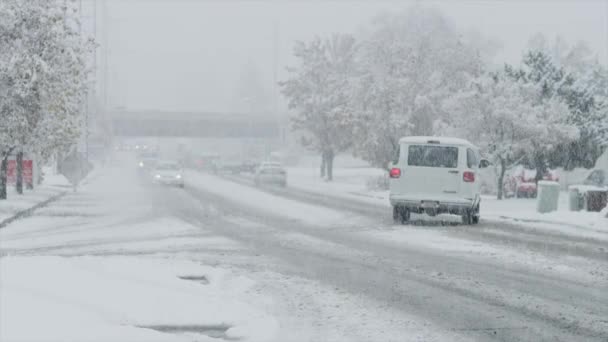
pixel 232 166
pixel 522 182
pixel 436 175
pixel 168 173
pixel 146 161
pixel 249 166
pixel 208 163
pixel 270 173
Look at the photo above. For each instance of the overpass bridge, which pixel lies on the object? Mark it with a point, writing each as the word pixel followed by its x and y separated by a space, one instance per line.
pixel 196 124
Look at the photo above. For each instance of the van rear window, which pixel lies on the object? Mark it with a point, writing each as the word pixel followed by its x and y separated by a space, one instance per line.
pixel 432 156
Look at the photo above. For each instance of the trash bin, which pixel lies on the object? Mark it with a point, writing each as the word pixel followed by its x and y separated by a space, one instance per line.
pixel 596 200
pixel 575 199
pixel 548 195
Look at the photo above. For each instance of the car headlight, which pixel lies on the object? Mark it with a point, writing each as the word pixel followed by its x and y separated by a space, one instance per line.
pixel 141 164
pixel 157 176
pixel 178 176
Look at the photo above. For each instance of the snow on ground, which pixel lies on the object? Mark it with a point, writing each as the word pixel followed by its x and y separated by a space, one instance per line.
pixel 321 312
pixel 580 223
pixel 348 183
pixel 75 236
pixel 53 185
pixel 431 239
pixel 116 298
pixel 262 201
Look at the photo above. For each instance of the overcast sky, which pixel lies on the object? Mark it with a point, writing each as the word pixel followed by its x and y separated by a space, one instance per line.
pixel 188 54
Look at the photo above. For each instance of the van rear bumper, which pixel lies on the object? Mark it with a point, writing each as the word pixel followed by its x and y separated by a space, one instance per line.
pixel 452 206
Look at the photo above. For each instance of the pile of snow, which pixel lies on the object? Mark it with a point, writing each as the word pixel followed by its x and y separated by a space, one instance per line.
pixel 124 299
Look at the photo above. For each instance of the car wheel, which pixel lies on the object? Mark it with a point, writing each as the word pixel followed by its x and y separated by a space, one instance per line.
pixel 475 219
pixel 467 217
pixel 396 214
pixel 405 215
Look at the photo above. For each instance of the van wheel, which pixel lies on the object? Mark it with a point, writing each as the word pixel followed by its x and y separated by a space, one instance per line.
pixel 475 219
pixel 405 215
pixel 400 215
pixel 467 217
pixel 396 214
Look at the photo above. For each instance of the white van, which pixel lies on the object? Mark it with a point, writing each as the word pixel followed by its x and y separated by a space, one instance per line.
pixel 436 175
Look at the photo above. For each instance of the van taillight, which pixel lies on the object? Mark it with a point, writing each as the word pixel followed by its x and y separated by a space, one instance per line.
pixel 468 176
pixel 395 172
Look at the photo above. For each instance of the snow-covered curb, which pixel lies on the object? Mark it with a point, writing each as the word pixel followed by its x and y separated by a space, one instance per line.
pixel 55 186
pixel 124 299
pixel 28 211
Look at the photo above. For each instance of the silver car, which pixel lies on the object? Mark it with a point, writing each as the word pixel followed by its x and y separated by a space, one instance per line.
pixel 168 173
pixel 271 173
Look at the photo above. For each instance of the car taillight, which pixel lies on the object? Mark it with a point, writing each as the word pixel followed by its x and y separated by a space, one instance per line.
pixel 395 172
pixel 468 176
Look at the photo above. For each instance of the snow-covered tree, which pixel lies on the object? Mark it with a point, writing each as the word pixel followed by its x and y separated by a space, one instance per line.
pixel 553 81
pixel 573 58
pixel 42 77
pixel 319 94
pixel 506 119
pixel 409 63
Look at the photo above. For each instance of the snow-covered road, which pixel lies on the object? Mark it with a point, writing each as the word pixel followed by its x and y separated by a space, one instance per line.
pixel 312 269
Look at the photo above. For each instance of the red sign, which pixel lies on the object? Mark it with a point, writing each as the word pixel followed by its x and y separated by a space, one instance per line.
pixel 28 171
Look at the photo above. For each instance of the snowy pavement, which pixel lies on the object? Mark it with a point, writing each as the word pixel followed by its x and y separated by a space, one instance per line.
pixel 53 186
pixel 222 259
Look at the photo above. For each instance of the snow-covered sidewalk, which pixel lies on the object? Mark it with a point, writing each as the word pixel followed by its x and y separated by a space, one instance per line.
pixel 123 299
pixel 53 185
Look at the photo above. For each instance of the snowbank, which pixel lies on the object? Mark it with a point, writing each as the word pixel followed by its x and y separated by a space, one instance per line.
pixel 123 299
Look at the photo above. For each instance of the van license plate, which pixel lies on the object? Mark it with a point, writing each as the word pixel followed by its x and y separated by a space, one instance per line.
pixel 430 205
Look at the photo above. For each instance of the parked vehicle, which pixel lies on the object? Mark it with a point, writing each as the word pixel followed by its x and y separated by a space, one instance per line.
pixel 208 163
pixel 232 166
pixel 271 173
pixel 522 182
pixel 436 175
pixel 249 166
pixel 168 173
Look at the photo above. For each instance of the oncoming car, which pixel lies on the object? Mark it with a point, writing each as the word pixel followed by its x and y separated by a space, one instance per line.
pixel 270 173
pixel 169 173
pixel 146 161
pixel 436 175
